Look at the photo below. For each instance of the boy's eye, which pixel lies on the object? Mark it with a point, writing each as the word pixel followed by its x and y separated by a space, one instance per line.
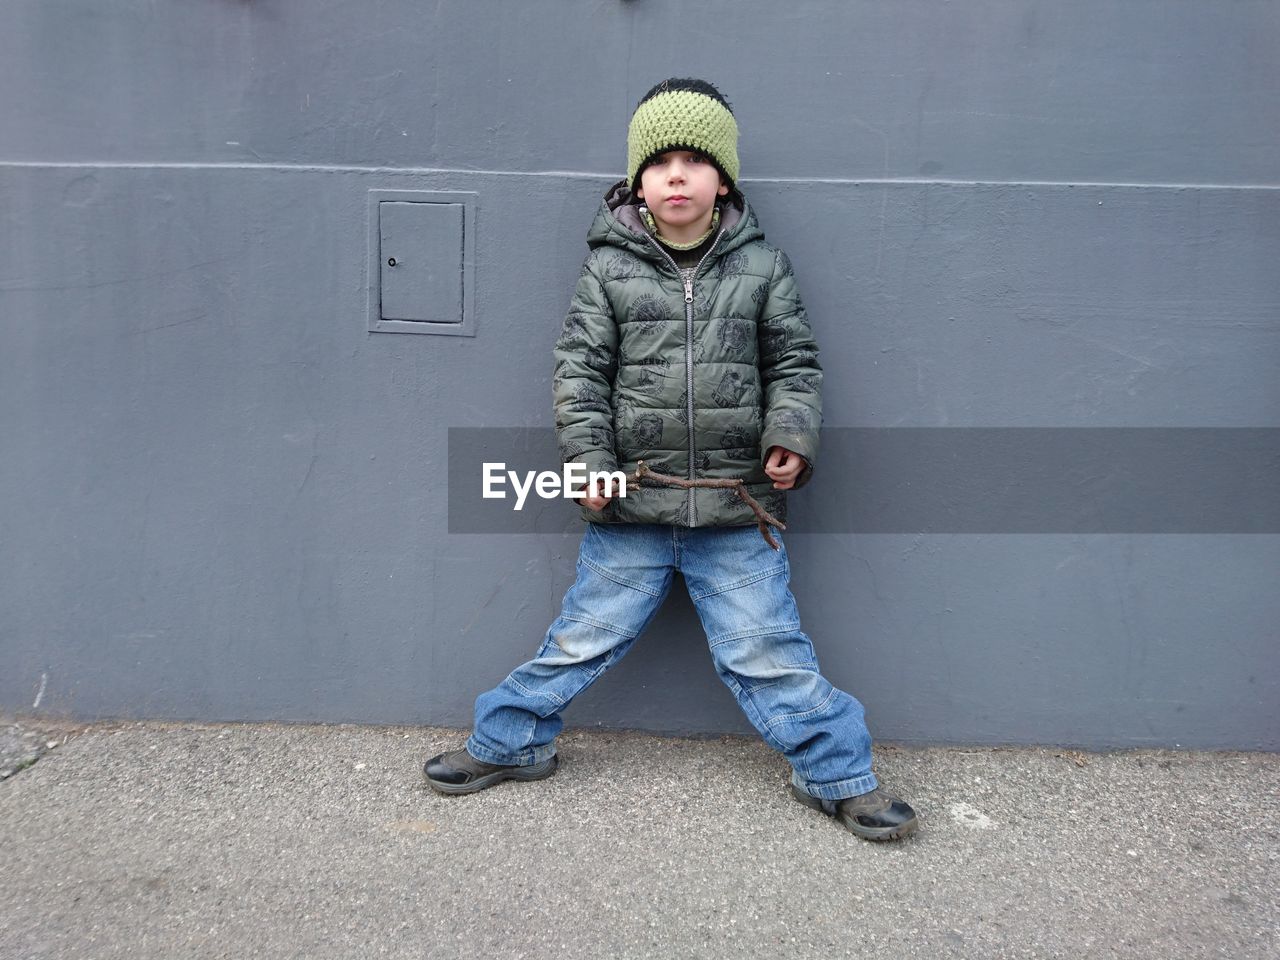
pixel 688 158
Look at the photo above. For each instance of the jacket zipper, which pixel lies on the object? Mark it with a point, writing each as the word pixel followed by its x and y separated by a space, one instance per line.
pixel 688 350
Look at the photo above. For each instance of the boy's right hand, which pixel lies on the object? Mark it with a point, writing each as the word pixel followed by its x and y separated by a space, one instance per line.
pixel 593 500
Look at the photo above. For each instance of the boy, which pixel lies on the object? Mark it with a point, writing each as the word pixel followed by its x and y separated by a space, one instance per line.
pixel 685 346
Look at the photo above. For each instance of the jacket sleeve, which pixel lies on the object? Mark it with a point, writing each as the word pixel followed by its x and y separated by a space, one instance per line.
pixel 586 362
pixel 789 371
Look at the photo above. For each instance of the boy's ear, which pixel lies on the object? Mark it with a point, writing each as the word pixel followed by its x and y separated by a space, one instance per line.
pixel 723 189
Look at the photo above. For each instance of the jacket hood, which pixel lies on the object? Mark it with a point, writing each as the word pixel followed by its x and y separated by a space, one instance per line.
pixel 617 223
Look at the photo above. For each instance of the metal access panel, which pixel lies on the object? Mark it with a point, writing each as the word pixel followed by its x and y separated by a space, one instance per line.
pixel 421 262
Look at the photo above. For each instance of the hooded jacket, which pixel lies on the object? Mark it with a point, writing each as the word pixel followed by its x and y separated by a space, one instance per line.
pixel 697 379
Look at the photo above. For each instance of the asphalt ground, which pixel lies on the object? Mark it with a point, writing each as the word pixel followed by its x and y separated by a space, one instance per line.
pixel 175 841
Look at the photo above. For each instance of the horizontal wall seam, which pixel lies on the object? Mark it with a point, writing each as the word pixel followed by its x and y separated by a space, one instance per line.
pixel 584 175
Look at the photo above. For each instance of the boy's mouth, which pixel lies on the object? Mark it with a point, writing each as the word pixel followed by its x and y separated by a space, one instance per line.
pixel 677 198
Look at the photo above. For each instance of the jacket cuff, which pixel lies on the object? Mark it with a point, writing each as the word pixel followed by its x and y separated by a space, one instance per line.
pixel 596 461
pixel 806 447
pixel 805 474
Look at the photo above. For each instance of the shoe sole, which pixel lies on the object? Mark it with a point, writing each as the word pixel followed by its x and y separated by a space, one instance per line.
pixel 536 771
pixel 866 833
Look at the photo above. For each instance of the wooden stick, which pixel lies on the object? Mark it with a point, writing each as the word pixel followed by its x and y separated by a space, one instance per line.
pixel 763 517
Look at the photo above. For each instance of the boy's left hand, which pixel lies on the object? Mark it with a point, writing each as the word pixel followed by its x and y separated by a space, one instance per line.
pixel 783 466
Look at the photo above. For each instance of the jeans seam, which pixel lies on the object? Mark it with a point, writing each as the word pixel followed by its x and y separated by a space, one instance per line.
pixel 751 632
pixel 613 577
pixel 804 761
pixel 534 695
pixel 804 714
pixel 748 706
pixel 593 622
pixel 744 582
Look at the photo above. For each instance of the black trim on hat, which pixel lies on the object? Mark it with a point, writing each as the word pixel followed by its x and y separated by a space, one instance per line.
pixel 686 83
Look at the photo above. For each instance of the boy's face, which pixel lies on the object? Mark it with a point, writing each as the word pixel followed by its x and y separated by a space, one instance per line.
pixel 680 189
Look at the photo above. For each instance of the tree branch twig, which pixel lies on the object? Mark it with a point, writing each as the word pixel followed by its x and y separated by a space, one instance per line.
pixel 764 519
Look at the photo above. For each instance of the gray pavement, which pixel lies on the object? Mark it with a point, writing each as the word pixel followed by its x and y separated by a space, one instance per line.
pixel 177 841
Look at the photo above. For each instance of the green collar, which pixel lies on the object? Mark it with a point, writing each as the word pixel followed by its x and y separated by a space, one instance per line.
pixel 690 245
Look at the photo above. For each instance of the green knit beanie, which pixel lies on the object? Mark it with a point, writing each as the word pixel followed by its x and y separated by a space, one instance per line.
pixel 683 114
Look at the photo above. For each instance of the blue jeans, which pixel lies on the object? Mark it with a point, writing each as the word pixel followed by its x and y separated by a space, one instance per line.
pixel 739 586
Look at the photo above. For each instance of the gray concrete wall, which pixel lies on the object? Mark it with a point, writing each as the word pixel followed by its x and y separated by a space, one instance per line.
pixel 222 497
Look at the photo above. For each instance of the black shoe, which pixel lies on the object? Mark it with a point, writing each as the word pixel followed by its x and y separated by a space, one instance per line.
pixel 460 772
pixel 873 816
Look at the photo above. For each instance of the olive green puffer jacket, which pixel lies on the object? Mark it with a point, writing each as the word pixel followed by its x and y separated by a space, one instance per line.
pixel 696 382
